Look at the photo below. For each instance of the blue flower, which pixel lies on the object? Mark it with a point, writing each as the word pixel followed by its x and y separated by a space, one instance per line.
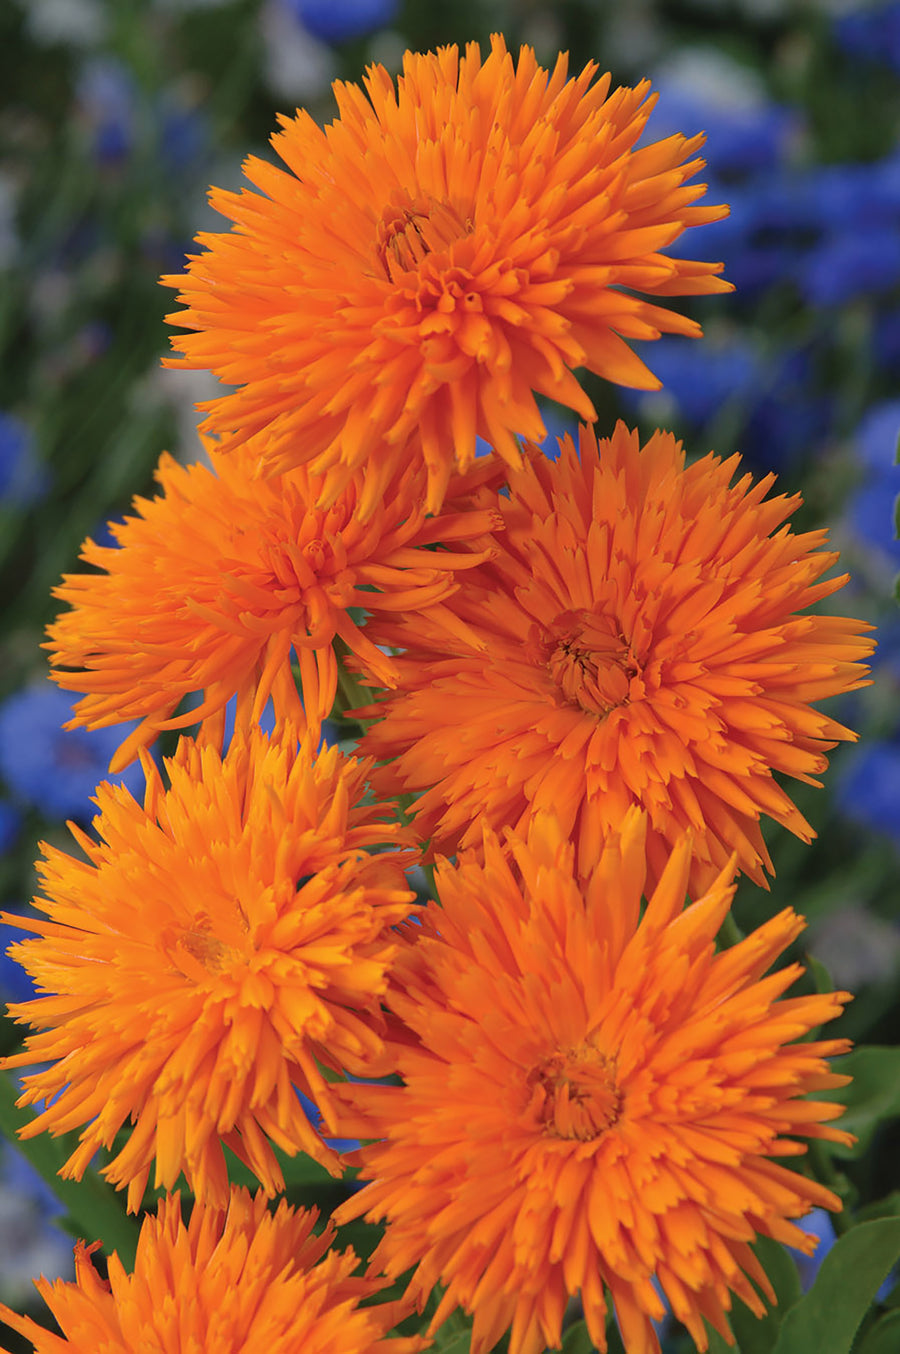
pixel 877 437
pixel 818 1224
pixel 107 99
pixel 111 106
pixel 15 983
pixel 867 790
pixel 871 511
pixel 790 417
pixel 886 339
pixel 862 261
pixel 314 1116
pixel 741 138
pixel 184 137
pixel 336 21
pixel 30 1242
pixel 54 769
pixel 10 823
pixel 871 516
pixel 699 382
pixel 855 196
pixel 23 480
pixel 872 34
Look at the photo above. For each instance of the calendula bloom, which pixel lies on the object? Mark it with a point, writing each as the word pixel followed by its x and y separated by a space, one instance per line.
pixel 435 256
pixel 591 1098
pixel 218 946
pixel 231 1281
pixel 637 640
pixel 217 582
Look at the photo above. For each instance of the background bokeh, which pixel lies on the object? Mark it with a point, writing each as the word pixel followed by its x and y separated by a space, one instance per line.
pixel 117 114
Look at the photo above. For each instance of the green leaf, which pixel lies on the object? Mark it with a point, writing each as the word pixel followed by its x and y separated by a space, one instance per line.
pixel 755 1334
pixel 456 1344
pixel 718 1345
pixel 577 1340
pixel 455 1335
pixel 95 1212
pixel 883 1338
pixel 820 975
pixel 826 1320
pixel 871 1098
pixel 885 1207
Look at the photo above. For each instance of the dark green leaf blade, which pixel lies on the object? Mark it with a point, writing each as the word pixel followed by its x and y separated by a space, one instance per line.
pixel 826 1320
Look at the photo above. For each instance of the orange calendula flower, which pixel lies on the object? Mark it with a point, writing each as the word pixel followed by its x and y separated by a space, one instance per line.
pixel 637 640
pixel 217 946
pixel 592 1098
pixel 220 580
pixel 239 1281
pixel 434 257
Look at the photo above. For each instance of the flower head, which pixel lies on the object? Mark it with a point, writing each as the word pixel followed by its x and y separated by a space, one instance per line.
pixel 245 1279
pixel 591 1098
pixel 220 580
pixel 217 945
pixel 434 257
pixel 636 640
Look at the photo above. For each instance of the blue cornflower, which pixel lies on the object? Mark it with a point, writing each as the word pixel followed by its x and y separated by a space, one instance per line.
pixel 110 104
pixel 872 34
pixel 30 1242
pixel 107 99
pixel 23 479
pixel 314 1115
pixel 871 511
pixel 742 138
pixel 867 790
pixel 877 437
pixel 886 339
pixel 335 21
pixel 791 415
pixel 700 383
pixel 861 261
pixel 10 823
pixel 55 769
pixel 15 983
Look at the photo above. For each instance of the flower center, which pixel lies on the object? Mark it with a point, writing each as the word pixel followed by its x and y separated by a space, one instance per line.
pixel 198 952
pixel 590 661
pixel 410 228
pixel 301 556
pixel 577 1094
pixel 207 949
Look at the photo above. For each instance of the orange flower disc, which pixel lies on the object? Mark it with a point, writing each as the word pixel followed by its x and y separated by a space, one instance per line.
pixel 636 640
pixel 217 582
pixel 218 944
pixel 434 257
pixel 235 1282
pixel 591 1098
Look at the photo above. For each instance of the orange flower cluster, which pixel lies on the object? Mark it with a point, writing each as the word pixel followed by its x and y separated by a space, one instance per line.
pixel 587 676
pixel 231 1281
